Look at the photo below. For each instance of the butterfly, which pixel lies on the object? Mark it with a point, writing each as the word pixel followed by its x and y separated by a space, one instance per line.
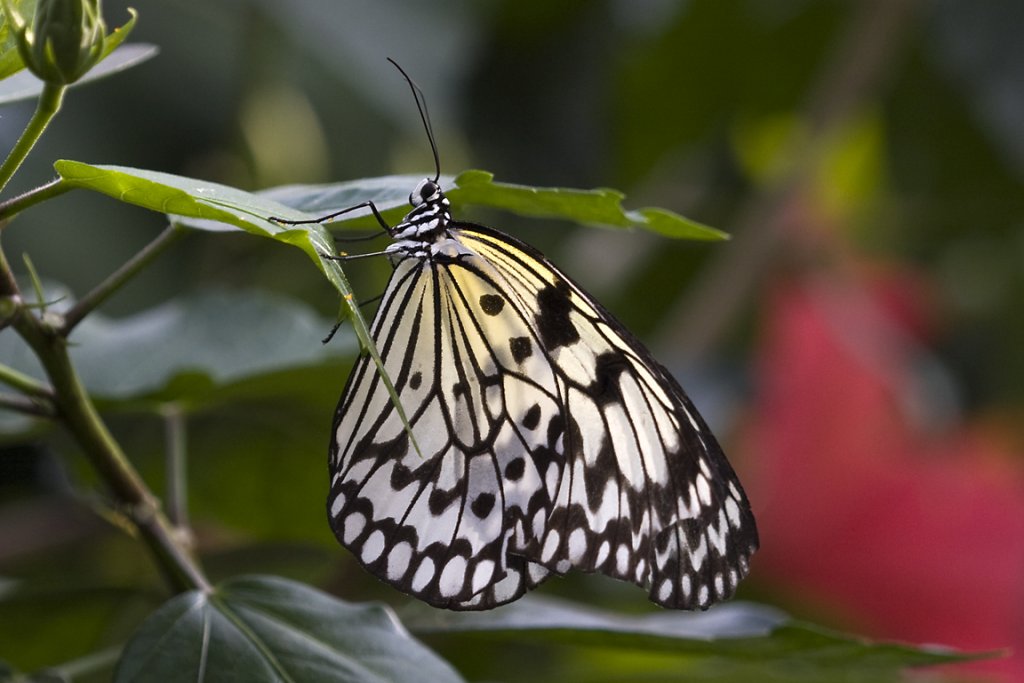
pixel 542 436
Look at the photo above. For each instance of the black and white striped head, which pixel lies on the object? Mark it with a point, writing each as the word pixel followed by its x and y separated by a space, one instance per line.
pixel 426 192
pixel 429 219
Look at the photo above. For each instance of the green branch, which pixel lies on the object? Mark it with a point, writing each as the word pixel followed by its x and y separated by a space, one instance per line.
pixel 49 104
pixel 24 384
pixel 116 279
pixel 76 410
pixel 78 413
pixel 177 461
pixel 16 205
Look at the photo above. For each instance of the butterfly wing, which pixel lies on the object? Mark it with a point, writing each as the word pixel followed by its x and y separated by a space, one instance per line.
pixel 550 440
pixel 441 523
pixel 646 494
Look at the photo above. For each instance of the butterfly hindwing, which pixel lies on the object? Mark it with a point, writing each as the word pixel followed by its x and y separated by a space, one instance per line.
pixel 646 494
pixel 550 440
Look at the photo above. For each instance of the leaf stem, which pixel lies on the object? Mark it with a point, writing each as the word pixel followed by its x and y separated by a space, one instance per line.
pixel 118 278
pixel 91 663
pixel 176 455
pixel 16 205
pixel 49 103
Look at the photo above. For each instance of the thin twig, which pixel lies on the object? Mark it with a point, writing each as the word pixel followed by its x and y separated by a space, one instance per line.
pixel 16 205
pixel 857 69
pixel 177 464
pixel 36 407
pixel 9 288
pixel 27 385
pixel 118 278
pixel 92 663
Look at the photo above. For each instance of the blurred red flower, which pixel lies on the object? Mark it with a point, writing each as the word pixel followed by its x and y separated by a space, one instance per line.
pixel 912 530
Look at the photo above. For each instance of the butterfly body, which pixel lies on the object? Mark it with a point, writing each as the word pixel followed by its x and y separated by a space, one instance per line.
pixel 546 436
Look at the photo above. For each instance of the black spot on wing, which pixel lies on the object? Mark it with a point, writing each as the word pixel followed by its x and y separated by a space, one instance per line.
pixel 521 347
pixel 515 469
pixel 482 505
pixel 385 450
pixel 605 388
pixel 416 380
pixel 532 417
pixel 556 427
pixel 401 476
pixel 598 473
pixel 440 500
pixel 553 321
pixel 491 304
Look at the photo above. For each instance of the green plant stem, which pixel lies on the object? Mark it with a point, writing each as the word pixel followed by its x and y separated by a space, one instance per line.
pixel 23 383
pixel 116 280
pixel 78 413
pixel 177 463
pixel 16 205
pixel 13 304
pixel 47 107
pixel 91 663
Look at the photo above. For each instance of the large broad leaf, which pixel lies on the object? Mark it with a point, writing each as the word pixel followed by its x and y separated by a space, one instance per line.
pixel 212 339
pixel 390 194
pixel 270 629
pixel 750 638
pixel 190 350
pixel 210 206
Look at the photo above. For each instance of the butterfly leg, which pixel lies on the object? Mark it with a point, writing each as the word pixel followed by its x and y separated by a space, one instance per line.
pixel 322 219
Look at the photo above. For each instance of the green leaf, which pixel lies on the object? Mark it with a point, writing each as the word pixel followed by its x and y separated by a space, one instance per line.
pixel 600 206
pixel 391 196
pixel 218 337
pixel 218 206
pixel 10 63
pixel 751 637
pixel 22 85
pixel 272 629
pixel 186 348
pixel 10 58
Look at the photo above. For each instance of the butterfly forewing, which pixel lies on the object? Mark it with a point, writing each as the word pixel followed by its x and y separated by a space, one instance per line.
pixel 440 526
pixel 549 439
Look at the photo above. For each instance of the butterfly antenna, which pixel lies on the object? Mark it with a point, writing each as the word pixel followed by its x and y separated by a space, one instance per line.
pixel 421 104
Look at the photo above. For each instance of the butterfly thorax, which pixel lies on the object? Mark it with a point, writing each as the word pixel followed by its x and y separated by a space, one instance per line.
pixel 424 232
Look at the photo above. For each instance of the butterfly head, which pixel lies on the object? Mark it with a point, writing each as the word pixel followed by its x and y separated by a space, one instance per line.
pixel 426 192
pixel 427 222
